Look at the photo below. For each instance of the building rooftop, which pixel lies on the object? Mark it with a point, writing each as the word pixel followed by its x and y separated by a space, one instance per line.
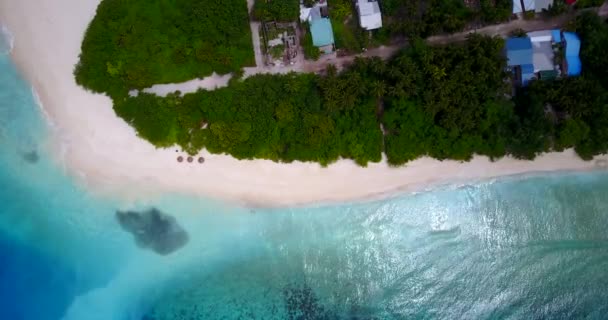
pixel 531 5
pixel 519 51
pixel 304 13
pixel 527 74
pixel 542 56
pixel 321 31
pixel 539 5
pixel 369 14
pixel 557 35
pixel 542 50
pixel 574 65
pixel 312 13
pixel 540 36
pixel 527 68
pixel 548 75
pixel 573 47
pixel 528 5
pixel 573 44
pixel 367 7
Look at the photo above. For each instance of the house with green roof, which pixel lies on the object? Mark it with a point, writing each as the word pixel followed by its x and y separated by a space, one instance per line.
pixel 320 28
pixel 322 34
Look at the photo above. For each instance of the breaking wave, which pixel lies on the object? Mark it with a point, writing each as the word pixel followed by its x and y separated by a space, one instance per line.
pixel 40 105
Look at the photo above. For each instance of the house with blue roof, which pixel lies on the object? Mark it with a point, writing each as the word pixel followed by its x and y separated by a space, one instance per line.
pixel 557 35
pixel 572 45
pixel 520 58
pixel 535 55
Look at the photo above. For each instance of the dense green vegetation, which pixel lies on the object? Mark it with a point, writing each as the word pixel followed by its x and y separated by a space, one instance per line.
pixel 448 102
pixel 571 112
pixel 455 114
pixel 557 7
pixel 276 10
pixel 494 11
pixel 580 4
pixel 428 17
pixel 349 36
pixel 272 117
pixel 578 107
pixel 138 43
pixel 310 51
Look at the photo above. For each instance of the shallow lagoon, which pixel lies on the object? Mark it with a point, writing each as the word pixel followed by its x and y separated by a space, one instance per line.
pixel 511 248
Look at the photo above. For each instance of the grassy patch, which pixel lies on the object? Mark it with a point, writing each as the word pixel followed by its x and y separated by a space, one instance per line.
pixel 310 51
pixel 277 51
pixel 349 36
pixel 276 10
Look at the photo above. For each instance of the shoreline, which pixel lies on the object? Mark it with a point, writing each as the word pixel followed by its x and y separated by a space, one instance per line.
pixel 102 152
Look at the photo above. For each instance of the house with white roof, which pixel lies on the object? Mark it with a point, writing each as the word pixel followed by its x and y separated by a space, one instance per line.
pixel 370 17
pixel 542 50
pixel 537 6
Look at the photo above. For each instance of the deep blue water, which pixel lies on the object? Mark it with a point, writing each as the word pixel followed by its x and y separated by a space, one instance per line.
pixel 513 248
pixel 23 268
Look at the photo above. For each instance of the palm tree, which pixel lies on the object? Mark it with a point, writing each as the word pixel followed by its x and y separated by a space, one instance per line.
pixel 378 89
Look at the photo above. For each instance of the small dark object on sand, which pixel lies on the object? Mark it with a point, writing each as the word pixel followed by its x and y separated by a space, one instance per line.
pixel 154 230
pixel 190 159
pixel 201 160
pixel 31 157
pixel 180 159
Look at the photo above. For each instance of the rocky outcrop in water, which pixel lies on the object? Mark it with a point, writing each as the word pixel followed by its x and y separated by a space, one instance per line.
pixel 153 230
pixel 301 303
pixel 31 157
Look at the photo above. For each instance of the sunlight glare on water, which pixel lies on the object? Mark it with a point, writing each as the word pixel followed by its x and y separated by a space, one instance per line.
pixel 515 248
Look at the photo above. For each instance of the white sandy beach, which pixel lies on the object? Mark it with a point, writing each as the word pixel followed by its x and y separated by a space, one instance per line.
pixel 103 152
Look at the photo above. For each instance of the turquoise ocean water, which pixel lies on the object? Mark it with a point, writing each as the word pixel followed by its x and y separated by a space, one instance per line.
pixel 534 248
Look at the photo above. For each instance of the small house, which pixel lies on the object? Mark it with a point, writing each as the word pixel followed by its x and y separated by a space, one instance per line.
pixel 540 5
pixel 534 56
pixel 322 34
pixel 320 26
pixel 537 6
pixel 370 17
pixel 304 13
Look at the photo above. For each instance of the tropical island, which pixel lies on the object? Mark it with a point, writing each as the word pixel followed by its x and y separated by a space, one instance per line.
pixel 448 102
pixel 386 110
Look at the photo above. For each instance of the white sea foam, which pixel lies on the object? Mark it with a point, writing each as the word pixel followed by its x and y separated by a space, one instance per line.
pixel 7 40
pixel 63 145
pixel 39 103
